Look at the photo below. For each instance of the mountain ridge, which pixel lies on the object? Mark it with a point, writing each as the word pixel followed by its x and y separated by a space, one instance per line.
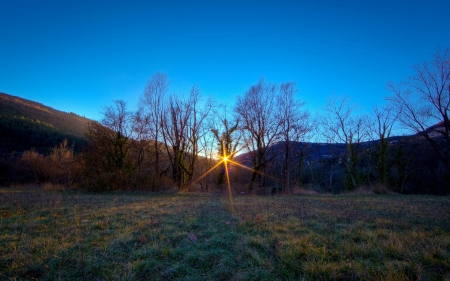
pixel 26 124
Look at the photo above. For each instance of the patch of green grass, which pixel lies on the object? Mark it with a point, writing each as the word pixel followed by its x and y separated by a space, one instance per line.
pixel 71 235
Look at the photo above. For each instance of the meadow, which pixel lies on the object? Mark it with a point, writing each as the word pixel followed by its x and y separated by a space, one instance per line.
pixel 72 235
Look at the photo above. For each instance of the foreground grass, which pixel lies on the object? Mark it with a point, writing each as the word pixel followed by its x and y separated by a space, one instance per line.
pixel 75 236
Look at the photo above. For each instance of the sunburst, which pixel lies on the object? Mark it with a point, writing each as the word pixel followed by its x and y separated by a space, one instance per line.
pixel 225 160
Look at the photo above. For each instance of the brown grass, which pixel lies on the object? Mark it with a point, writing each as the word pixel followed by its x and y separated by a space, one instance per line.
pixel 69 235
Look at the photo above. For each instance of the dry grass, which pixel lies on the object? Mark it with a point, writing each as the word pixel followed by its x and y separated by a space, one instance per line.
pixel 50 235
pixel 51 186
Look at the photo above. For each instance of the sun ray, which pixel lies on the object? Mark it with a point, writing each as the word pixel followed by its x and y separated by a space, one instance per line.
pixel 206 173
pixel 228 183
pixel 225 159
pixel 253 170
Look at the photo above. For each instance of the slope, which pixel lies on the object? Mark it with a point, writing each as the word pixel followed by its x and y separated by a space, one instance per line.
pixel 26 124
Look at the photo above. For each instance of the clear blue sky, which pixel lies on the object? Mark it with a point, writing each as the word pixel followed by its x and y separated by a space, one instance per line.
pixel 80 55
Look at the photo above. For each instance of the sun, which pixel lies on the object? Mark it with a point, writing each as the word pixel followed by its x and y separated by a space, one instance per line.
pixel 225 160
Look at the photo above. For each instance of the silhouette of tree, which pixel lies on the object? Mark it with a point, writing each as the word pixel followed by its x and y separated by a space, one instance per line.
pixel 227 143
pixel 294 125
pixel 339 125
pixel 183 125
pixel 108 157
pixel 383 121
pixel 261 129
pixel 423 105
pixel 152 107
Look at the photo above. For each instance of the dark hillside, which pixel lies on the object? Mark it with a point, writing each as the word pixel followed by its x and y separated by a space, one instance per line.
pixel 26 124
pixel 413 164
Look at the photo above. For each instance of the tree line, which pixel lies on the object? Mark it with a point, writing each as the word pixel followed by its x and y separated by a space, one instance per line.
pixel 175 142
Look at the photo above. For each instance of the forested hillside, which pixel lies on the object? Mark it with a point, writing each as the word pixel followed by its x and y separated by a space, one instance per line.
pixel 26 124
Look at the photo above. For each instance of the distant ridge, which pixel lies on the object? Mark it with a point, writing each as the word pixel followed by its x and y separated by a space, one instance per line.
pixel 26 124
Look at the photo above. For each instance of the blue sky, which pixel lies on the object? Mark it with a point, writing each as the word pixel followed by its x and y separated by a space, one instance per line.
pixel 78 56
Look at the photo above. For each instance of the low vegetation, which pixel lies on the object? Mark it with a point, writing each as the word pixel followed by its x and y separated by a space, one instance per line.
pixel 70 235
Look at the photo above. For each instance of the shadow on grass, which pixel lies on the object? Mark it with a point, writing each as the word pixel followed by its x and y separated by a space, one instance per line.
pixel 78 236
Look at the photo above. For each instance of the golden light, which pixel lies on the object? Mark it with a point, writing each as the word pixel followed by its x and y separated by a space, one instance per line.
pixel 225 164
pixel 225 160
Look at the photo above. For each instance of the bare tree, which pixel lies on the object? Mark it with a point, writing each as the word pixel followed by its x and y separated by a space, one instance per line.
pixel 174 135
pixel 381 128
pixel 209 160
pixel 197 129
pixel 293 128
pixel 227 142
pixel 152 107
pixel 117 120
pixel 339 125
pixel 423 104
pixel 143 152
pixel 108 156
pixel 182 129
pixel 256 110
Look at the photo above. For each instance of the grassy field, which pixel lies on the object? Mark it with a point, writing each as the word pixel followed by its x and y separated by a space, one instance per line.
pixel 48 235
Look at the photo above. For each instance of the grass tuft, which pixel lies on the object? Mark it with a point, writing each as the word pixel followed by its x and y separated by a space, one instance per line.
pixel 68 235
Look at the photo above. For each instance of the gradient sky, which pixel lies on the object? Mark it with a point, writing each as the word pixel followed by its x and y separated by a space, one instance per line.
pixel 78 56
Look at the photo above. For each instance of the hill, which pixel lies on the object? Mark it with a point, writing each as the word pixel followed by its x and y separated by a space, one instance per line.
pixel 26 124
pixel 312 151
pixel 413 164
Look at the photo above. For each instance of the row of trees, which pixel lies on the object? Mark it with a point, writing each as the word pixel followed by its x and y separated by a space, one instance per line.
pixel 419 106
pixel 159 142
pixel 173 140
pixel 176 139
